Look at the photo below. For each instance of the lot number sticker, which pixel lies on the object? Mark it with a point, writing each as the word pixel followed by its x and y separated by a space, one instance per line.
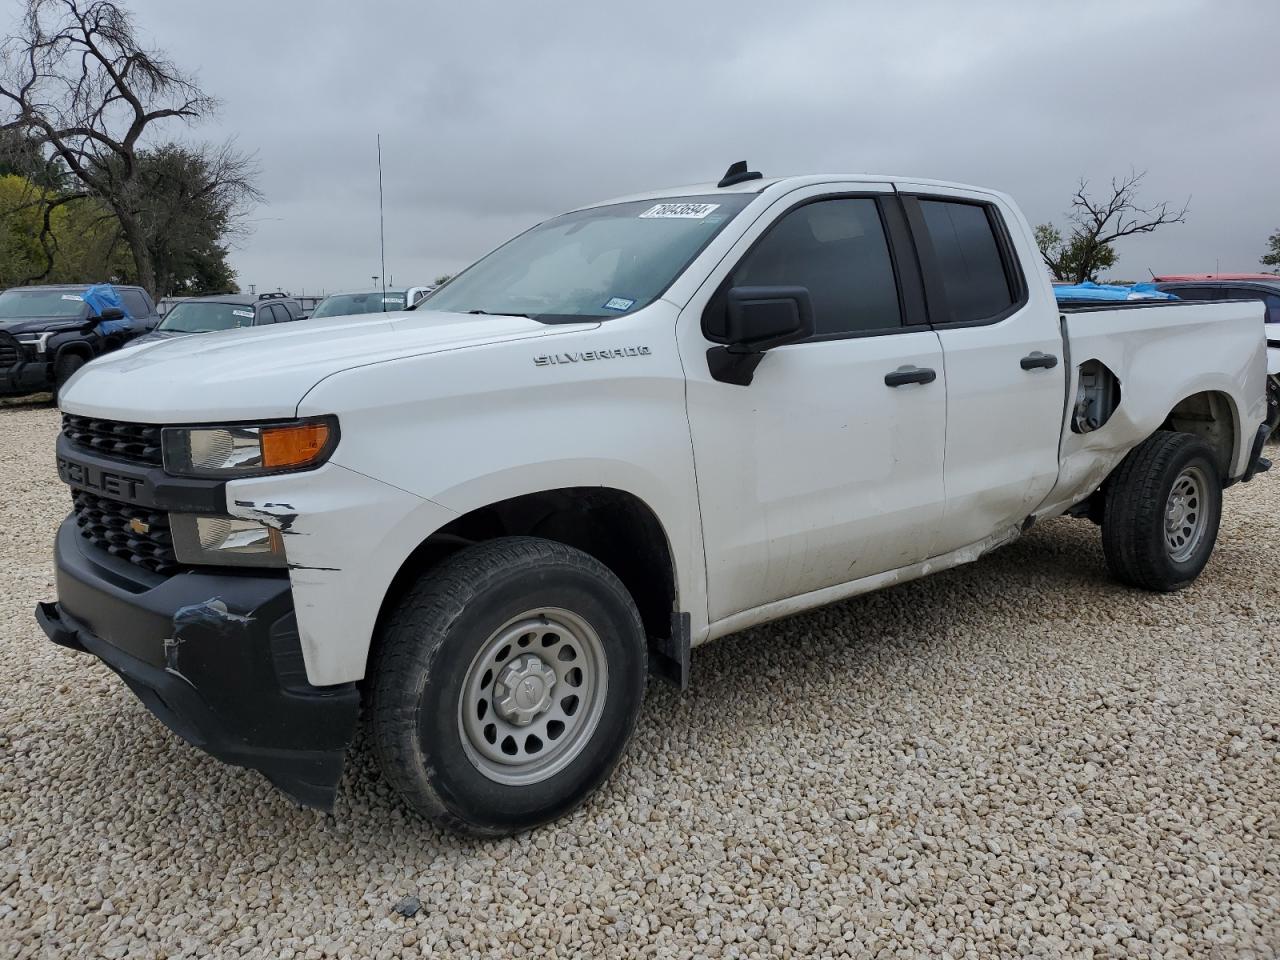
pixel 678 211
pixel 243 313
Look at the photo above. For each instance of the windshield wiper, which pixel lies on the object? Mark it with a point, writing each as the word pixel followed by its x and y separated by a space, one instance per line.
pixel 486 313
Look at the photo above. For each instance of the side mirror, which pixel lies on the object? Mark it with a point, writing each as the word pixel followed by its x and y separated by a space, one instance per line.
pixel 759 319
pixel 303 316
pixel 111 313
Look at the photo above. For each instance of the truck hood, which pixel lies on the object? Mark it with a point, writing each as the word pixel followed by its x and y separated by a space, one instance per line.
pixel 19 325
pixel 264 372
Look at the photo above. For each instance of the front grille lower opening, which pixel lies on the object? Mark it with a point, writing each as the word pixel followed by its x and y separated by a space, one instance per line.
pixel 136 534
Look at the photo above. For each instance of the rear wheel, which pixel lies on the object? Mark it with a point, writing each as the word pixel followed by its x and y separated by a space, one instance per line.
pixel 1163 506
pixel 507 683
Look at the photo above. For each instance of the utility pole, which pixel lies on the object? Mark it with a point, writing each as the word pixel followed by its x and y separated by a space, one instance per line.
pixel 382 242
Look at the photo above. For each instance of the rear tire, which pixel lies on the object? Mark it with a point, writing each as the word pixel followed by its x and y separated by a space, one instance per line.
pixel 506 685
pixel 1163 506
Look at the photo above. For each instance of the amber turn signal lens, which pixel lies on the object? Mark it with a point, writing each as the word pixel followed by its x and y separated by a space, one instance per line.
pixel 293 446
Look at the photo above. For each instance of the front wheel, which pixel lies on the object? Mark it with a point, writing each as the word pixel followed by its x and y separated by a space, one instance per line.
pixel 507 683
pixel 63 369
pixel 1163 506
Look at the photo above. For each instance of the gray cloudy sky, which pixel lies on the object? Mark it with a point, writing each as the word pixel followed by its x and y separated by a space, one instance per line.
pixel 497 114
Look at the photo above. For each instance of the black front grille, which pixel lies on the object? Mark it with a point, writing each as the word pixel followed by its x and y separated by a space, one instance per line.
pixel 110 525
pixel 135 442
pixel 10 350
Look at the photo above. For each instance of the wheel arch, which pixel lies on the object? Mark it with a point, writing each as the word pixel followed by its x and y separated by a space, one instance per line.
pixel 1211 415
pixel 614 526
pixel 77 348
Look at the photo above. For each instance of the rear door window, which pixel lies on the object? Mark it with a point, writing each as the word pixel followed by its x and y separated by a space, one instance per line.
pixel 1197 293
pixel 135 303
pixel 967 251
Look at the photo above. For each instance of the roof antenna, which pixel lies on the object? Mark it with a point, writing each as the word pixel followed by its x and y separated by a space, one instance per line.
pixel 738 173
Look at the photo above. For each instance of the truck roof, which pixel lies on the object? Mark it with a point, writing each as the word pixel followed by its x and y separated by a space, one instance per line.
pixel 76 286
pixel 1183 277
pixel 761 184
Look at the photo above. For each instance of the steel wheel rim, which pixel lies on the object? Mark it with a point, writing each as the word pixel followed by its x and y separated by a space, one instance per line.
pixel 1186 514
pixel 523 722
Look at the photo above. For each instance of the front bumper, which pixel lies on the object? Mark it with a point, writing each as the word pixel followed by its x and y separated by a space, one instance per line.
pixel 25 377
pixel 215 656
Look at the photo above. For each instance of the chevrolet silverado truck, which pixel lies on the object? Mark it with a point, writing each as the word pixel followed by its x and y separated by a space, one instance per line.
pixel 632 429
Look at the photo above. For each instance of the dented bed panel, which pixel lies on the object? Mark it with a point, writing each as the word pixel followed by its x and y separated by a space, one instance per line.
pixel 345 536
pixel 1159 357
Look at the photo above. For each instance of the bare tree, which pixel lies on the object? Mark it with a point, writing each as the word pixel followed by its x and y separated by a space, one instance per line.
pixel 1096 224
pixel 77 80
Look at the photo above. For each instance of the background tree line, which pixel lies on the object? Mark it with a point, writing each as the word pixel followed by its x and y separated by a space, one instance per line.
pixel 92 187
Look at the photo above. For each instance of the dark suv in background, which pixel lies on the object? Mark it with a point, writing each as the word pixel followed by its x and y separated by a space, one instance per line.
pixel 1240 286
pixel 225 311
pixel 47 333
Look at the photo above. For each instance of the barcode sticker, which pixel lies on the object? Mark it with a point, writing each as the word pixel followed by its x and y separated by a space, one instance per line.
pixel 678 211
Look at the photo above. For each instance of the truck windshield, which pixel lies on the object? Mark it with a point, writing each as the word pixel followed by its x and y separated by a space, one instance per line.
pixel 346 304
pixel 15 304
pixel 595 263
pixel 206 317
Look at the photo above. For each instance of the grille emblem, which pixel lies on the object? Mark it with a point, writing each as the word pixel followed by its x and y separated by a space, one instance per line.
pixel 139 526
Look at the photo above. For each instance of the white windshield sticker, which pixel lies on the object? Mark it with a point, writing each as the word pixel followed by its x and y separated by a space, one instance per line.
pixel 619 303
pixel 243 313
pixel 72 296
pixel 678 211
pixel 393 299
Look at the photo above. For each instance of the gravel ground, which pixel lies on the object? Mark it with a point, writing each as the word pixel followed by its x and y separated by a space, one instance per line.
pixel 1014 758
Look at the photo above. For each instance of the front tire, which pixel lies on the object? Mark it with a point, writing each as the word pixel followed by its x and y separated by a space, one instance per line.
pixel 63 368
pixel 507 683
pixel 1163 506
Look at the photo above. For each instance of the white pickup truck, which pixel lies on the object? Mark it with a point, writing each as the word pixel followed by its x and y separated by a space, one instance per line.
pixel 634 428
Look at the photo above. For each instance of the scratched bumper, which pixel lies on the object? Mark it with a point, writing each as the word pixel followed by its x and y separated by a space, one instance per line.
pixel 215 656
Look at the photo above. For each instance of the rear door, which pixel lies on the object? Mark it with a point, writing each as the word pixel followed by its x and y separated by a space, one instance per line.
pixel 818 472
pixel 1005 370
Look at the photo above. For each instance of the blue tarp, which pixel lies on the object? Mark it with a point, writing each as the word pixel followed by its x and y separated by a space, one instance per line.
pixel 1107 291
pixel 101 296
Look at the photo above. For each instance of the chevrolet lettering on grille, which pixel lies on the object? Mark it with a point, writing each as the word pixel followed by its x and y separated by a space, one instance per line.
pixel 100 481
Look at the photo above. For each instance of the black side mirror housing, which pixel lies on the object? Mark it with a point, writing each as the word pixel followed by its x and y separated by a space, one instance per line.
pixel 758 319
pixel 111 313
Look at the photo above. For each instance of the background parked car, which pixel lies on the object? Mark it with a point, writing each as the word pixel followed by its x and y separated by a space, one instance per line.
pixel 1240 286
pixel 370 301
pixel 227 311
pixel 47 333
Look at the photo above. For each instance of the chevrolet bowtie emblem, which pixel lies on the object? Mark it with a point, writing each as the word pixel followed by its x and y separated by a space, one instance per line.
pixel 139 526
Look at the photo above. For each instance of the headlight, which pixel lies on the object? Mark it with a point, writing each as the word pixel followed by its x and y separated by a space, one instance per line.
pixel 39 341
pixel 225 541
pixel 246 450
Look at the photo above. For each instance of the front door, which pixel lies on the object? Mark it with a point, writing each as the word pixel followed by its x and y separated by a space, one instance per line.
pixel 818 472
